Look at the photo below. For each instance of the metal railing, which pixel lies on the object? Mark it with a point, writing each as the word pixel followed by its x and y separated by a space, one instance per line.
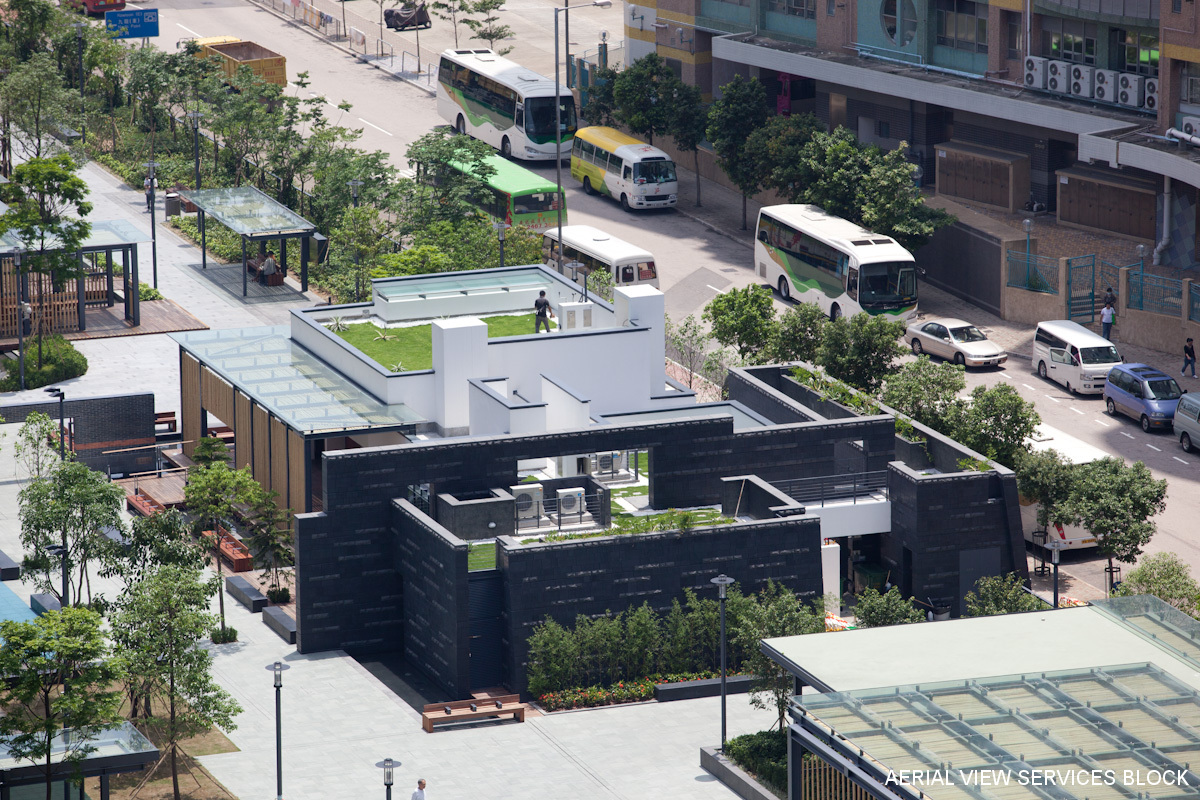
pixel 831 488
pixel 409 65
pixel 1154 294
pixel 1194 302
pixel 551 513
pixel 385 50
pixel 320 21
pixel 1032 272
pixel 1110 275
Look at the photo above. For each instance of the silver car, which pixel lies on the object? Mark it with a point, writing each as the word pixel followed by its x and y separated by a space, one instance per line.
pixel 954 340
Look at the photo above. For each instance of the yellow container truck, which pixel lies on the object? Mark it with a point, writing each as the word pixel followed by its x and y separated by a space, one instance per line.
pixel 234 53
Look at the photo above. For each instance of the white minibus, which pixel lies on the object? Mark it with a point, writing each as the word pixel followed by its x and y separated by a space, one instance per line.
pixel 1073 451
pixel 595 249
pixel 636 174
pixel 1070 354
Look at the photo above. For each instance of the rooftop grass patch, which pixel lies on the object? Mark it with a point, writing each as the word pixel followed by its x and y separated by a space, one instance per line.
pixel 411 348
pixel 481 556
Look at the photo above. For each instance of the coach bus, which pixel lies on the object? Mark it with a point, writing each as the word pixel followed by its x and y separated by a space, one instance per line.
pixel 502 103
pixel 518 196
pixel 637 174
pixel 593 249
pixel 845 269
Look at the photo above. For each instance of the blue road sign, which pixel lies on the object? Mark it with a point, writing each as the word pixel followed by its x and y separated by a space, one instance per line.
pixel 134 23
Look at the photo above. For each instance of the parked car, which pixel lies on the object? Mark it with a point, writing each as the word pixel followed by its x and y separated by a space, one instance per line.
pixel 955 340
pixel 1143 392
pixel 1070 354
pixel 1187 421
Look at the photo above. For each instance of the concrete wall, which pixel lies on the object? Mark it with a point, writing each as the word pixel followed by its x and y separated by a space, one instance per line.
pixel 751 496
pixel 565 408
pixel 1149 329
pixel 478 518
pixel 101 425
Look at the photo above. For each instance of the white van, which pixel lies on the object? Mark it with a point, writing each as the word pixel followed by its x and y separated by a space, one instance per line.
pixel 1070 354
pixel 1187 422
pixel 1073 451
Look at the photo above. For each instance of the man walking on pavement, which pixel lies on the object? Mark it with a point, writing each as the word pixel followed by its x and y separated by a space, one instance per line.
pixel 419 794
pixel 1189 357
pixel 148 185
pixel 1106 320
pixel 1110 297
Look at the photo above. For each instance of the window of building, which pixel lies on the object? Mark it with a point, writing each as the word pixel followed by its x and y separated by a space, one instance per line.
pixel 830 7
pixel 962 24
pixel 1069 39
pixel 1137 52
pixel 676 67
pixel 1013 33
pixel 1189 86
pixel 805 9
pixel 1176 6
pixel 899 19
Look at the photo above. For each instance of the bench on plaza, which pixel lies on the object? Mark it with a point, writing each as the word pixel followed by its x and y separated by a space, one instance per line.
pixel 43 602
pixel 232 548
pixel 464 710
pixel 167 419
pixel 9 570
pixel 141 503
pixel 277 620
pixel 246 593
pixel 114 535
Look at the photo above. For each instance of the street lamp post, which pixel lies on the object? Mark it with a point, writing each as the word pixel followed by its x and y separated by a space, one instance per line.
pixel 357 276
pixel 195 116
pixel 1028 226
pixel 277 668
pixel 388 765
pixel 722 583
pixel 1054 560
pixel 558 126
pixel 501 227
pixel 54 391
pixel 24 311
pixel 79 26
pixel 150 165
pixel 1141 254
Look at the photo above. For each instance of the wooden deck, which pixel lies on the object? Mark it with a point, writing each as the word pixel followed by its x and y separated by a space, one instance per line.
pixel 158 316
pixel 167 490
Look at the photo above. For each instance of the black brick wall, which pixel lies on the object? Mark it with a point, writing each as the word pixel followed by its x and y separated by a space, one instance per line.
pixel 116 422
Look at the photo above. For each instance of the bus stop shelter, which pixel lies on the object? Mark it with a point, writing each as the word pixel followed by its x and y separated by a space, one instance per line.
pixel 254 217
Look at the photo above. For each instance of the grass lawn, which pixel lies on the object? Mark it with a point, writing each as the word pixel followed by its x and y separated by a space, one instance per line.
pixel 412 347
pixel 481 556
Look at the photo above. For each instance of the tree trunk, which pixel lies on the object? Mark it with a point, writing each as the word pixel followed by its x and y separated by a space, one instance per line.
pixel 1108 584
pixel 743 211
pixel 173 745
pixel 220 574
pixel 696 165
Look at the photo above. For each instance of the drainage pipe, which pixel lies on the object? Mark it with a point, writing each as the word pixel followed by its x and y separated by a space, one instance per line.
pixel 1166 227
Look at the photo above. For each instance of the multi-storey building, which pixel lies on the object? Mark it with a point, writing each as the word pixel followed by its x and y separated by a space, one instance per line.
pixel 1088 107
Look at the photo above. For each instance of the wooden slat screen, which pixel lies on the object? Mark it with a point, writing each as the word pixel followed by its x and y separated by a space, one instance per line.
pixel 189 390
pixel 279 461
pixel 297 499
pixel 58 311
pixel 245 431
pixel 262 447
pixel 820 781
pixel 218 397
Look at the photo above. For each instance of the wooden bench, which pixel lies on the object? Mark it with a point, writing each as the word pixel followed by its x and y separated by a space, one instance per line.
pixel 246 593
pixel 236 553
pixel 464 710
pixel 277 620
pixel 9 570
pixel 168 419
pixel 143 504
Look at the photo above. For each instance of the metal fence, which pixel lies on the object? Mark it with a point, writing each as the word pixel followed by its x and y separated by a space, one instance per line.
pixel 1032 272
pixel 409 65
pixel 831 488
pixel 1110 275
pixel 1194 303
pixel 320 21
pixel 1155 294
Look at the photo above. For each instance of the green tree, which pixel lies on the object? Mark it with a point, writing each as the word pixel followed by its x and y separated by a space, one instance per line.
pixel 600 283
pixel 443 193
pixel 861 350
pixel 243 121
pixel 644 93
pixel 270 539
pixel 58 649
pixel 743 319
pixel 690 344
pixel 34 101
pixel 472 243
pixel 29 24
pixel 892 205
pixel 210 450
pixel 158 628
pixel 781 143
pixel 831 169
pixel 1116 504
pixel 211 493
pixel 643 641
pixel 874 610
pixel 777 613
pixel 994 421
pixel 1045 477
pixel 160 540
pixel 359 246
pixel 741 110
pixel 35 449
pixel 488 28
pixel 601 107
pixel 1001 594
pixel 1167 577
pixel 686 123
pixel 70 508
pixel 419 260
pixel 799 334
pixel 453 11
pixel 553 659
pixel 923 390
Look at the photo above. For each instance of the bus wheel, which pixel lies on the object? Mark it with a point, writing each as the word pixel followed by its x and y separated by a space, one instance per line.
pixel 587 186
pixel 835 313
pixel 506 147
pixel 461 125
pixel 625 203
pixel 785 290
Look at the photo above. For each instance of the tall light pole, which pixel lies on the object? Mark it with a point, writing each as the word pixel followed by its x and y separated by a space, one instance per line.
pixel 150 165
pixel 357 275
pixel 501 227
pixel 1028 226
pixel 1054 559
pixel 79 26
pixel 722 583
pixel 23 311
pixel 277 668
pixel 54 391
pixel 388 765
pixel 558 120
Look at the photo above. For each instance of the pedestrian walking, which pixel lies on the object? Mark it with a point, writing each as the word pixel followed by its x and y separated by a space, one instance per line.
pixel 541 307
pixel 1189 358
pixel 1110 297
pixel 149 185
pixel 419 794
pixel 1106 320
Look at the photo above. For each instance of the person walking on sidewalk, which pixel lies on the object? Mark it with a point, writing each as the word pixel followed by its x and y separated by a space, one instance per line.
pixel 419 794
pixel 149 185
pixel 1110 297
pixel 1189 357
pixel 1106 320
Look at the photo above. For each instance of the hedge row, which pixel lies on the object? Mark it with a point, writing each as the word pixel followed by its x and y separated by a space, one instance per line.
pixel 763 755
pixel 635 691
pixel 60 361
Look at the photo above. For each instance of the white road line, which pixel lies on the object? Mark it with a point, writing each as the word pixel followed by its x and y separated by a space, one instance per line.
pixel 1055 399
pixel 1180 460
pixel 1030 388
pixel 373 125
pixel 1002 375
pixel 1127 435
pixel 1155 449
pixel 1076 410
pixel 189 30
pixel 715 289
pixel 1102 422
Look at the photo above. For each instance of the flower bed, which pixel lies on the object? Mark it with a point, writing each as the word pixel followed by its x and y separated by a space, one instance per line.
pixel 636 691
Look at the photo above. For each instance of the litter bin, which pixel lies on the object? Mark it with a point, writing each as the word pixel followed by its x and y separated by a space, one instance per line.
pixel 172 204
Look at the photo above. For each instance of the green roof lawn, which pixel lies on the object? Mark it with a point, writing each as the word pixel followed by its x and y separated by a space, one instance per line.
pixel 412 348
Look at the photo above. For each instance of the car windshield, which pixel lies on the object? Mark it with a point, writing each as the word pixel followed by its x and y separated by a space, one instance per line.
pixel 967 334
pixel 1100 355
pixel 1163 389
pixel 539 115
pixel 654 172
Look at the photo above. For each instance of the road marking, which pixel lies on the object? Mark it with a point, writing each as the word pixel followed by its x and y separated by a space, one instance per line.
pixel 1076 410
pixel 1155 449
pixel 715 289
pixel 1102 422
pixel 1127 435
pixel 1030 388
pixel 1002 375
pixel 189 30
pixel 1180 460
pixel 373 125
pixel 1055 399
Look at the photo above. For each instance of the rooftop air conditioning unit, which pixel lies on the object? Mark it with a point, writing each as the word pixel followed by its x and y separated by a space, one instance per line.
pixel 1132 91
pixel 1107 82
pixel 1151 100
pixel 570 501
pixel 1083 80
pixel 529 500
pixel 1035 72
pixel 1191 126
pixel 1058 76
pixel 610 462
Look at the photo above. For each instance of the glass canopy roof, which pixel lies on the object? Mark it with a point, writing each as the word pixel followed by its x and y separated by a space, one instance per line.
pixel 247 211
pixel 123 740
pixel 403 288
pixel 305 393
pixel 1105 733
pixel 104 234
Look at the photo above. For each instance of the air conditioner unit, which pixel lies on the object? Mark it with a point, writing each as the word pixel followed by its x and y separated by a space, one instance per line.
pixel 1107 82
pixel 1132 91
pixel 1151 100
pixel 1058 76
pixel 610 462
pixel 570 501
pixel 1191 126
pixel 1035 72
pixel 1083 80
pixel 529 500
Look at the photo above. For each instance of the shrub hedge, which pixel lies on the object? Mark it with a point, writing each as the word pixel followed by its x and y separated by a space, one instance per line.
pixel 60 362
pixel 763 755
pixel 634 691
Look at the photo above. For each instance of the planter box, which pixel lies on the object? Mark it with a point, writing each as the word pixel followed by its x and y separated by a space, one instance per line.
pixel 733 776
pixel 709 687
pixel 830 409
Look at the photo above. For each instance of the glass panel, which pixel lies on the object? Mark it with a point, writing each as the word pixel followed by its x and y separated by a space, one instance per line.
pixel 247 211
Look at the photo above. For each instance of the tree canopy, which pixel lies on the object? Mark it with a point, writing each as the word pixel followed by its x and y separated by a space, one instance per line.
pixel 742 319
pixel 741 109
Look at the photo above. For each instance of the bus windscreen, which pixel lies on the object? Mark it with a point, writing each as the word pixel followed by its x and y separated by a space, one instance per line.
pixel 887 284
pixel 534 203
pixel 654 172
pixel 539 115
